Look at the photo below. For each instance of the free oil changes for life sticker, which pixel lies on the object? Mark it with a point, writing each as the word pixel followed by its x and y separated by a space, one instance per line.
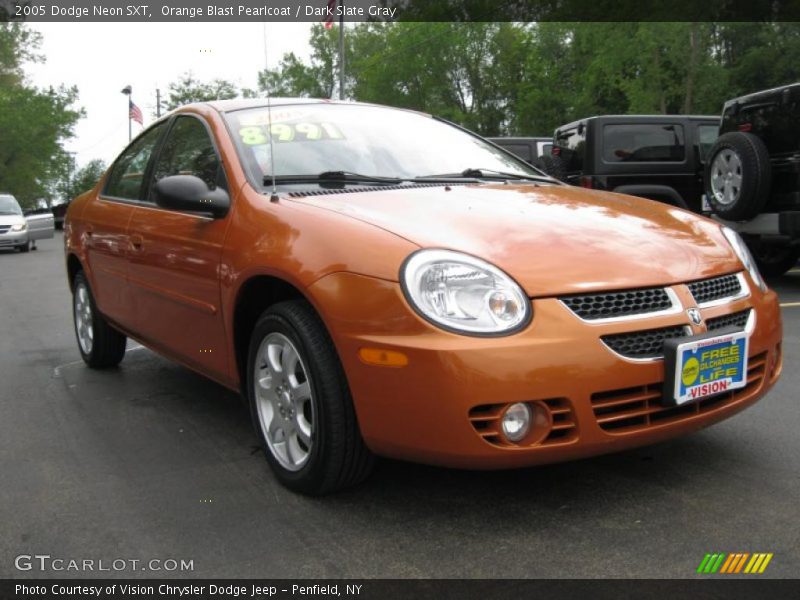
pixel 705 365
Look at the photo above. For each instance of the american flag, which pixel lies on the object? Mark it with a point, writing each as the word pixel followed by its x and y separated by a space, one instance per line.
pixel 331 11
pixel 135 113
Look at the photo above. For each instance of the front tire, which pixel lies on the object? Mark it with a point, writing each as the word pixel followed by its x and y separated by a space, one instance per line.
pixel 301 405
pixel 25 247
pixel 774 261
pixel 101 346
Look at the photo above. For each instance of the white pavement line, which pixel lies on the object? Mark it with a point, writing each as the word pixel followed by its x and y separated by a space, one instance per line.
pixel 790 304
pixel 57 370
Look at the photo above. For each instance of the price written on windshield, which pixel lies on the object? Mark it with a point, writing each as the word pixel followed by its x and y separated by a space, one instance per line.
pixel 255 135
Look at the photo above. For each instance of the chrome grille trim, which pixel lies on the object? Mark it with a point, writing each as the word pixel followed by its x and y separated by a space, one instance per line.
pixel 738 319
pixel 669 332
pixel 744 290
pixel 674 308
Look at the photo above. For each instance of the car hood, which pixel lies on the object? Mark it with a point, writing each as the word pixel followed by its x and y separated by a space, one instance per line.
pixel 550 239
pixel 11 219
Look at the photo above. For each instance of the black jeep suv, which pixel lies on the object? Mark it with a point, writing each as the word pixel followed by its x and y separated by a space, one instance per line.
pixel 655 156
pixel 752 178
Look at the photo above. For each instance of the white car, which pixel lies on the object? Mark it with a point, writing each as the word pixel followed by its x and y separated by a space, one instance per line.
pixel 19 231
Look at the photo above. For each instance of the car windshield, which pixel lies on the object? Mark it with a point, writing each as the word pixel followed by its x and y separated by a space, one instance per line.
pixel 369 141
pixel 9 206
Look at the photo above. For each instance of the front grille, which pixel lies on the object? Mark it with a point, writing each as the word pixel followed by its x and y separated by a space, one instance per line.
pixel 607 305
pixel 638 408
pixel 737 319
pixel 485 420
pixel 643 344
pixel 4 228
pixel 717 288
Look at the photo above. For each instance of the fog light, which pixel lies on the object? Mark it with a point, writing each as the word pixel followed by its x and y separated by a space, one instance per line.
pixel 516 421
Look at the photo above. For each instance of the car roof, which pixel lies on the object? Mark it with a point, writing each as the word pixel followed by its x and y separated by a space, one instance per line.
pixel 226 106
pixel 520 139
pixel 643 118
pixel 762 94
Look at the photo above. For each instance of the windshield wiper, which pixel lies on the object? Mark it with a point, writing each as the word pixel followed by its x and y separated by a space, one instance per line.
pixel 333 177
pixel 485 174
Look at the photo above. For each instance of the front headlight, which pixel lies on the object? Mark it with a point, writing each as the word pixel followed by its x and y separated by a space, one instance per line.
pixel 463 294
pixel 19 227
pixel 741 250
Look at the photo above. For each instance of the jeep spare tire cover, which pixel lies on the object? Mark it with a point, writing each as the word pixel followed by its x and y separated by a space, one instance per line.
pixel 738 176
pixel 552 165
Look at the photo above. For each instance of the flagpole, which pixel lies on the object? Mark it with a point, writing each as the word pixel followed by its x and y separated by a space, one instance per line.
pixel 128 90
pixel 341 49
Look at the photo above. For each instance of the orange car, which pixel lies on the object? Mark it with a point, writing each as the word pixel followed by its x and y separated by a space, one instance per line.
pixel 379 282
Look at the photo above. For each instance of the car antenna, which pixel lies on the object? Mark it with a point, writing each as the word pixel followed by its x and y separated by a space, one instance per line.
pixel 274 195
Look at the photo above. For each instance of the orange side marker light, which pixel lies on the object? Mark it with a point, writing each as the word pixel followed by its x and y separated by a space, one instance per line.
pixel 383 358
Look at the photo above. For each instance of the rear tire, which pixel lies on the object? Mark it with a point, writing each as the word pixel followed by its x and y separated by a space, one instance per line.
pixel 552 165
pixel 101 346
pixel 301 405
pixel 738 176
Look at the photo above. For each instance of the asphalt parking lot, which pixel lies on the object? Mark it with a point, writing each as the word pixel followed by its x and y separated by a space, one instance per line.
pixel 153 461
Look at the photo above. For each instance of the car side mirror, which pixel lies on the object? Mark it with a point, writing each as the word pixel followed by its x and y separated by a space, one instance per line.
pixel 192 194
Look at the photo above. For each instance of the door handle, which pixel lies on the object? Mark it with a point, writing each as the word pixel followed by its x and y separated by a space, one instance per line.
pixel 136 242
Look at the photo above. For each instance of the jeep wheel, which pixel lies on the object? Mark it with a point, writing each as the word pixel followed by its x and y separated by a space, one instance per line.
pixel 774 260
pixel 552 165
pixel 738 176
pixel 301 405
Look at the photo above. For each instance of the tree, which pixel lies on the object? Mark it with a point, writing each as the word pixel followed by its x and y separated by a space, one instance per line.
pixel 529 78
pixel 82 180
pixel 315 80
pixel 189 89
pixel 34 122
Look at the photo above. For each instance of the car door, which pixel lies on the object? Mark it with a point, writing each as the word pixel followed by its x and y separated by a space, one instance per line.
pixel 105 227
pixel 175 258
pixel 40 226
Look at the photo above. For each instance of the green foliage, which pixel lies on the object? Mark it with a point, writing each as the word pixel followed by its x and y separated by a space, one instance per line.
pixel 293 78
pixel 529 78
pixel 82 180
pixel 189 89
pixel 34 123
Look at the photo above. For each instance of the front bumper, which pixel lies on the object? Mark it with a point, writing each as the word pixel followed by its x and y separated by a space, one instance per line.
pixel 442 407
pixel 13 239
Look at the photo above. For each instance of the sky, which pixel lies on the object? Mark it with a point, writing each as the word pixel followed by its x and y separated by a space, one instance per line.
pixel 102 58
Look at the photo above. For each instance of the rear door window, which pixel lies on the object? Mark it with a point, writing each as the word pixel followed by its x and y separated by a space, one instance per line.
pixel 706 136
pixel 521 150
pixel 644 142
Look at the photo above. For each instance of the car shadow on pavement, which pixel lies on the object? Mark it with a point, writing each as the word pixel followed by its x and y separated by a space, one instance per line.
pixel 162 396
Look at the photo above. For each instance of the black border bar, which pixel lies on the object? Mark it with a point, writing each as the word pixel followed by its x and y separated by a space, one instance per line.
pixel 398 10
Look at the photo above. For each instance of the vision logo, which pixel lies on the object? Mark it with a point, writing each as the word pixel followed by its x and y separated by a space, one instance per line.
pixel 741 562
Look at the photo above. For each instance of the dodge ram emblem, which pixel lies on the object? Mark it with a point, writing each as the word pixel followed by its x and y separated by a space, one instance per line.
pixel 694 316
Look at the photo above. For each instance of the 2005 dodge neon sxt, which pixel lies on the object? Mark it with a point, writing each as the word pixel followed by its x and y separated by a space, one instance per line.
pixel 379 282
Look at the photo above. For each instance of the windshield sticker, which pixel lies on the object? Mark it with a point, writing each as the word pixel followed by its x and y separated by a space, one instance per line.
pixel 256 135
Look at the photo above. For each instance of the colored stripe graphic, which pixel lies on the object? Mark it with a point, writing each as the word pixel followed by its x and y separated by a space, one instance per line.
pixel 727 564
pixel 766 562
pixel 718 563
pixel 735 562
pixel 701 568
